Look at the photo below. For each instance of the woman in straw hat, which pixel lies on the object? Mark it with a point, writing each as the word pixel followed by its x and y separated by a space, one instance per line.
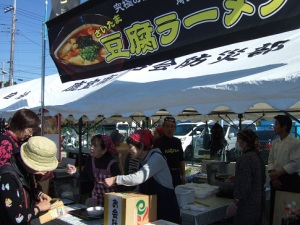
pixel 153 178
pixel 21 199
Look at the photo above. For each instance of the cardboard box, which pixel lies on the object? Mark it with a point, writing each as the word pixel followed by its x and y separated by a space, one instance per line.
pixel 129 208
pixel 57 210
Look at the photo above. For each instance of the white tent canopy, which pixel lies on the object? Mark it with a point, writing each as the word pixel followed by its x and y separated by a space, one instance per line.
pixel 255 77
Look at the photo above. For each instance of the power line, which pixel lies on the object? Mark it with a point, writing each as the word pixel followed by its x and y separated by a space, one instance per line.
pixel 24 71
pixel 30 15
pixel 26 13
pixel 29 26
pixel 30 39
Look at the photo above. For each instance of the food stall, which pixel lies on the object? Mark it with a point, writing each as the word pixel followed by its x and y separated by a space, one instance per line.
pixel 215 209
pixel 203 209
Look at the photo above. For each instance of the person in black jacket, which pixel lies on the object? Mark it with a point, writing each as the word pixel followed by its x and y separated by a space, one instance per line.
pixel 171 148
pixel 217 141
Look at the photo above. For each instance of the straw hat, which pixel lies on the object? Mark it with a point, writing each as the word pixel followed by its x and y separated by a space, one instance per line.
pixel 39 154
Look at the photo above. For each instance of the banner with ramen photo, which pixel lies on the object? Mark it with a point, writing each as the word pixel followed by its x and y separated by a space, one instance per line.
pixel 103 37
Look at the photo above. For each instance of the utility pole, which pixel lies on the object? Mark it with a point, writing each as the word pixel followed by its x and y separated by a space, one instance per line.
pixel 3 72
pixel 12 42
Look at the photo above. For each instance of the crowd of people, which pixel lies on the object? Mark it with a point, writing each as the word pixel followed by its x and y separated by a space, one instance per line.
pixel 155 166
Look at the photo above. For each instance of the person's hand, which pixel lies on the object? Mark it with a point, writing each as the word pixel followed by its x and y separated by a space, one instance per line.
pixel 44 197
pixel 273 175
pixel 108 182
pixel 231 210
pixel 276 184
pixel 44 205
pixel 71 169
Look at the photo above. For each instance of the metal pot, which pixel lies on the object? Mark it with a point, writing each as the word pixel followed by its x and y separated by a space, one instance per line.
pixel 213 168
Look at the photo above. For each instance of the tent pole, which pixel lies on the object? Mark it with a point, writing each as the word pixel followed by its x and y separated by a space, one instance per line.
pixel 240 116
pixel 147 122
pixel 80 145
pixel 136 123
pixel 43 68
pixel 288 114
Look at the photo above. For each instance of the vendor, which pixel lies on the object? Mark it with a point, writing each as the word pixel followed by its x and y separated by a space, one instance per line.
pixel 100 165
pixel 153 178
pixel 250 177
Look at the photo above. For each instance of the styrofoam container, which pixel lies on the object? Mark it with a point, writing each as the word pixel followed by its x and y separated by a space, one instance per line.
pixel 185 195
pixel 215 188
pixel 192 185
pixel 201 193
pixel 209 191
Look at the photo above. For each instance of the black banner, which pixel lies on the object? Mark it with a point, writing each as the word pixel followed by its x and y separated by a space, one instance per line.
pixel 101 37
pixel 61 6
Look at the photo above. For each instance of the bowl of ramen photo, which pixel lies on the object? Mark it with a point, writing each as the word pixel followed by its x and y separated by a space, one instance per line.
pixel 77 48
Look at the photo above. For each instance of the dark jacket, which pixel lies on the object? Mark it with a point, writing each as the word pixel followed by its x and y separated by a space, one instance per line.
pixel 17 199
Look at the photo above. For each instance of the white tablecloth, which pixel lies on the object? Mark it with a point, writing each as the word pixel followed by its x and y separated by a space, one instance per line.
pixel 215 210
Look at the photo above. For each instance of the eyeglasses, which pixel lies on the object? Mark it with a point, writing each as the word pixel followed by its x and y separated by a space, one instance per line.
pixel 29 131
